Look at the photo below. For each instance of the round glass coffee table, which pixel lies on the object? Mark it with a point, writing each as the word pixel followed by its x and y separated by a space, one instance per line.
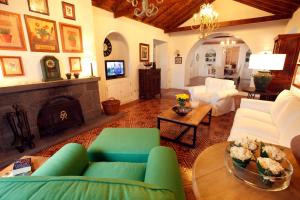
pixel 212 180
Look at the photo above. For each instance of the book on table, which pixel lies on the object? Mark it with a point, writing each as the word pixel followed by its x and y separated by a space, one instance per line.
pixel 22 167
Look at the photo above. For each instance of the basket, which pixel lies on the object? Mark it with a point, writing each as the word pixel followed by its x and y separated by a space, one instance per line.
pixel 111 106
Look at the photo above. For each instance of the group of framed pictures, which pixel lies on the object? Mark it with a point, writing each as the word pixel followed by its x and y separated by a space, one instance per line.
pixel 42 35
pixel 41 7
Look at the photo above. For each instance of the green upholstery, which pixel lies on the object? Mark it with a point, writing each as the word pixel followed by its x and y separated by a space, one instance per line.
pixel 163 170
pixel 124 144
pixel 79 188
pixel 123 170
pixel 68 174
pixel 70 160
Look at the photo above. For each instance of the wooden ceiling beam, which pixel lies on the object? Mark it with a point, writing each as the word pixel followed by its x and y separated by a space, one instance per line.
pixel 236 22
pixel 190 7
pixel 180 19
pixel 262 6
pixel 128 9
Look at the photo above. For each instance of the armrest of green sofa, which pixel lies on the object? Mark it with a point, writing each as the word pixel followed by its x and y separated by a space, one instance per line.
pixel 163 170
pixel 70 160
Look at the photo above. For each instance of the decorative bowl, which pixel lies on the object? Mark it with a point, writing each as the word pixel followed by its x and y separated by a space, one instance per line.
pixel 251 175
pixel 181 111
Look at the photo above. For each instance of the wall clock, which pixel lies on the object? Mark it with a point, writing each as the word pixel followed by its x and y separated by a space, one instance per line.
pixel 107 47
pixel 50 68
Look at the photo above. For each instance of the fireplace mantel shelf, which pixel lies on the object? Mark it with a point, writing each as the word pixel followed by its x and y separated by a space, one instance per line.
pixel 45 85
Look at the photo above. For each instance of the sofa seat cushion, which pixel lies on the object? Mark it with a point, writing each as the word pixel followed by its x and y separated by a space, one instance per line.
pixel 124 144
pixel 122 170
pixel 254 114
pixel 79 188
pixel 245 126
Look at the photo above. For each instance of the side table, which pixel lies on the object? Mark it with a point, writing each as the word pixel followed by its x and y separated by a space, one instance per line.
pixel 212 180
pixel 36 161
pixel 264 95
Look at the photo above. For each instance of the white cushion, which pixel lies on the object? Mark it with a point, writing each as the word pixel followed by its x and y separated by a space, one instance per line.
pixel 288 122
pixel 216 85
pixel 279 104
pixel 261 130
pixel 254 114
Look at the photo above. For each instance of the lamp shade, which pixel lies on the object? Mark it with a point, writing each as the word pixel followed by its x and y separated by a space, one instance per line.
pixel 267 61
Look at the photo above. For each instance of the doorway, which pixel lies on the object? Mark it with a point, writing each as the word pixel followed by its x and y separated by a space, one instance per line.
pixel 160 57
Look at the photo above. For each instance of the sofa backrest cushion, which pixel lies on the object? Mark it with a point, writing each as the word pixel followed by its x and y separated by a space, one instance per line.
pixel 214 85
pixel 78 188
pixel 70 160
pixel 279 104
pixel 288 122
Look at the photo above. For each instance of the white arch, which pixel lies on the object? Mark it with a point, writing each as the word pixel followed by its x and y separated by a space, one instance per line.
pixel 190 55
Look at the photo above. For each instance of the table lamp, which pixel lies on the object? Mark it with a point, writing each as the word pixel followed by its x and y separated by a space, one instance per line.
pixel 264 63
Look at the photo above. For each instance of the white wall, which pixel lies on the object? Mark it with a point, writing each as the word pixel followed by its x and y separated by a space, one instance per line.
pixel 134 33
pixel 294 24
pixel 31 60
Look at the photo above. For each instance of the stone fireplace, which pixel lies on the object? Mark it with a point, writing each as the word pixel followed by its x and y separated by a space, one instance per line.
pixel 75 101
pixel 58 114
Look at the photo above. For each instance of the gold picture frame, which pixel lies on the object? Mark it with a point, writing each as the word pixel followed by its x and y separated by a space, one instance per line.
pixel 75 64
pixel 38 6
pixel 11 66
pixel 42 34
pixel 11 32
pixel 71 38
pixel 296 78
pixel 68 10
pixel 4 2
pixel 144 52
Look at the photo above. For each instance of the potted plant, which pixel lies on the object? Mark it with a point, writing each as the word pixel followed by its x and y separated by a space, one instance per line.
pixel 68 75
pixel 76 75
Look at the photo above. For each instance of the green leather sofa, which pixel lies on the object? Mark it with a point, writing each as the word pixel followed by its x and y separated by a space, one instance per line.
pixel 69 174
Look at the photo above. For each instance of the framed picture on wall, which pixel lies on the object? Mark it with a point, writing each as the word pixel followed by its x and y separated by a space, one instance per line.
pixel 38 6
pixel 298 59
pixel 178 60
pixel 11 66
pixel 4 2
pixel 75 64
pixel 11 32
pixel 71 38
pixel 144 52
pixel 296 79
pixel 42 34
pixel 68 10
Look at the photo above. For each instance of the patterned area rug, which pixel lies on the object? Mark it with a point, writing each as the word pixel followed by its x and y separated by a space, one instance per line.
pixel 143 114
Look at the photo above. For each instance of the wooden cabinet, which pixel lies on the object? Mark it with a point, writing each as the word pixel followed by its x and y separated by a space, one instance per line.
pixel 149 83
pixel 288 44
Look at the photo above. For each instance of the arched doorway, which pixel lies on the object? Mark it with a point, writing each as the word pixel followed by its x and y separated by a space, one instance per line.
pixel 220 55
pixel 115 48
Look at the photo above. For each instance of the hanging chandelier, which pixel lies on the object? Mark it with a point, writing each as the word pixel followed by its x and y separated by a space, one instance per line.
pixel 147 9
pixel 206 21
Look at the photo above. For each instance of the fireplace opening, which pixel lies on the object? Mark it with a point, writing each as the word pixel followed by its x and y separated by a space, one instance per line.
pixel 58 114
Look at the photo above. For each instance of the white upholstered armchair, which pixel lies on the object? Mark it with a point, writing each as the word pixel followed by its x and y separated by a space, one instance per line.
pixel 217 92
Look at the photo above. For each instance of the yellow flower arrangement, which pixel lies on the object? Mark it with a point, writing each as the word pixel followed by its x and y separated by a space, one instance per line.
pixel 182 98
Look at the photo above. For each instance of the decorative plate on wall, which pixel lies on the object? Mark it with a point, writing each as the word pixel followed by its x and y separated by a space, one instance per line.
pixel 107 49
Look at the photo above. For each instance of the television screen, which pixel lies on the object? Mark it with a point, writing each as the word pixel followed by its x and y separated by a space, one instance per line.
pixel 114 69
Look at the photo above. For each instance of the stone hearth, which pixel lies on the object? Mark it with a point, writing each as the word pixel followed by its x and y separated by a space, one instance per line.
pixel 33 96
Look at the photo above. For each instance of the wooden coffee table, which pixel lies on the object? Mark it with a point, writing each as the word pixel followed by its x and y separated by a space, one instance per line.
pixel 192 120
pixel 36 161
pixel 212 180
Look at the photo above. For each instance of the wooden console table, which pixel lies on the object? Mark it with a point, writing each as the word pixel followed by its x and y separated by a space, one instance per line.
pixel 264 95
pixel 212 180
